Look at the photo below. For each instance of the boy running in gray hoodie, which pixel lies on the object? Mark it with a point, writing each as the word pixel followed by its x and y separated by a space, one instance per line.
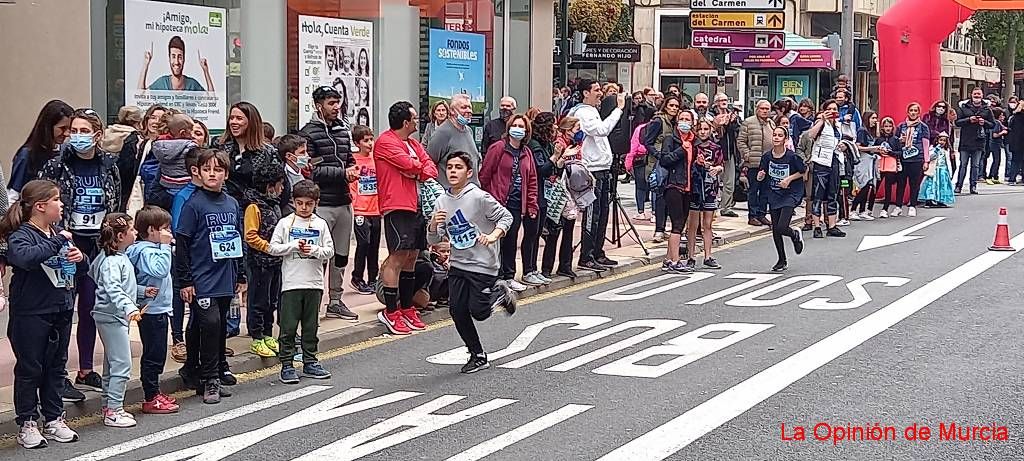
pixel 473 221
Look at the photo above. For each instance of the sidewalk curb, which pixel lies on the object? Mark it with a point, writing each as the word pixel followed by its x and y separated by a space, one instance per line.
pixel 244 362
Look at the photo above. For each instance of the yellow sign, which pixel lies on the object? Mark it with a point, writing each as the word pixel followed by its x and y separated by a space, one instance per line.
pixel 738 20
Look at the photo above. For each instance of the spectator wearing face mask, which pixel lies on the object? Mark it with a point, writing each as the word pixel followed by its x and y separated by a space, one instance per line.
pixel 494 130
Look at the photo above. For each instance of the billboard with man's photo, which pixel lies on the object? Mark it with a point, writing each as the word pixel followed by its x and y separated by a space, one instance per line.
pixel 175 55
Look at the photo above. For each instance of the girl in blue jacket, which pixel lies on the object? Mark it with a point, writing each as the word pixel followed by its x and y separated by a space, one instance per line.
pixel 42 289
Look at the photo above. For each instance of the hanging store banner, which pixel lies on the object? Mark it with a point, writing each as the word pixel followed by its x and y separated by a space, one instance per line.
pixel 457 61
pixel 336 52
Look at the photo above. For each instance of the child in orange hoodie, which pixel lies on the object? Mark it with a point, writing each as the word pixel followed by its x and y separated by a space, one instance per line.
pixel 363 186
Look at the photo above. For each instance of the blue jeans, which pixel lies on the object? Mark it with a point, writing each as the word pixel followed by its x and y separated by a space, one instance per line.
pixel 643 190
pixel 996 151
pixel 755 202
pixel 972 156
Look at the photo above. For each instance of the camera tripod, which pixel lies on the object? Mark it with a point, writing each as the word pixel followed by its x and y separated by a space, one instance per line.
pixel 617 211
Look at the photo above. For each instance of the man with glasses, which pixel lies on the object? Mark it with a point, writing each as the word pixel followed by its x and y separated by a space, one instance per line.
pixel 402 163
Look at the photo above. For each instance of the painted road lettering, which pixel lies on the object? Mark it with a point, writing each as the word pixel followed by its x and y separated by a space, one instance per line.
pixel 460 355
pixel 751 299
pixel 616 294
pixel 860 294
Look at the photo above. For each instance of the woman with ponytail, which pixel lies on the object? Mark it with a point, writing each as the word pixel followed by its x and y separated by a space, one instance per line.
pixel 44 264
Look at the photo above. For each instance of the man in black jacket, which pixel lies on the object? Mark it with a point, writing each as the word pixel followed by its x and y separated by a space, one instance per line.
pixel 728 122
pixel 974 118
pixel 495 129
pixel 329 144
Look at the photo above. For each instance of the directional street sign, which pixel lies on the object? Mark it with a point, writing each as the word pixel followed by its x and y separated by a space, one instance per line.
pixel 738 20
pixel 738 39
pixel 742 5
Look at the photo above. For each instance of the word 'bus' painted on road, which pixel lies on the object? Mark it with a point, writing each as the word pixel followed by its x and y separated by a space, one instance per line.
pixel 807 284
pixel 685 349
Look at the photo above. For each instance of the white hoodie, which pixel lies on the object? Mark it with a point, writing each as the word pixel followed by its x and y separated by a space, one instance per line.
pixel 597 153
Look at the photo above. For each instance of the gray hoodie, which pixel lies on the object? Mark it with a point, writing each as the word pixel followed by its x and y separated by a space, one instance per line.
pixel 471 213
pixel 171 155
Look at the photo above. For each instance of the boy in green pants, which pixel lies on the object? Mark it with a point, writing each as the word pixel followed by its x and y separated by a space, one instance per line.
pixel 304 241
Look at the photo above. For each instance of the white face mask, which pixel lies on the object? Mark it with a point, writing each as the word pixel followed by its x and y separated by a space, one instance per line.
pixel 940 110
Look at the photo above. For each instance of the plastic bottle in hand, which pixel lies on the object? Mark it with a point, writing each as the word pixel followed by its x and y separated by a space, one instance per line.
pixel 69 268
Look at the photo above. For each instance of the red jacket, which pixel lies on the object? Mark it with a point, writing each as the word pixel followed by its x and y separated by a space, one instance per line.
pixel 399 173
pixel 496 176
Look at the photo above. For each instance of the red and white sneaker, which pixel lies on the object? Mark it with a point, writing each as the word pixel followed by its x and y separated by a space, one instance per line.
pixel 412 318
pixel 394 321
pixel 159 406
pixel 166 398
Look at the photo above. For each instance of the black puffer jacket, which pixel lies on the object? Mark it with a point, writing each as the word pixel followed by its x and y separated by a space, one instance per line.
pixel 330 153
pixel 243 165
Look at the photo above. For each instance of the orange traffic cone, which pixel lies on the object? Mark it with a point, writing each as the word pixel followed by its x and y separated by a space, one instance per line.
pixel 1002 241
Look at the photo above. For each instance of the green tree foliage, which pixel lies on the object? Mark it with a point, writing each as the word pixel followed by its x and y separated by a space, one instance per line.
pixel 1001 31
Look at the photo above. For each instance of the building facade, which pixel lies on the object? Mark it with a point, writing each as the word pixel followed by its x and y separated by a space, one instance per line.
pixel 271 53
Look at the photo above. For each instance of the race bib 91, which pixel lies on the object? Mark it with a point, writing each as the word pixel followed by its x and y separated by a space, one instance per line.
pixel 88 209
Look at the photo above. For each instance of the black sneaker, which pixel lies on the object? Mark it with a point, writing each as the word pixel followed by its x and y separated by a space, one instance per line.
pixel 605 261
pixel 70 394
pixel 211 392
pixel 835 232
pixel 779 267
pixel 974 191
pixel 798 241
pixel 362 287
pixel 566 273
pixel 818 234
pixel 691 264
pixel 475 364
pixel 340 310
pixel 807 227
pixel 710 263
pixel 228 379
pixel 958 191
pixel 591 266
pixel 502 297
pixel 91 381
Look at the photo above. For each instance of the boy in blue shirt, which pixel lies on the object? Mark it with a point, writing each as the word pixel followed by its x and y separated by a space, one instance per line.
pixel 208 267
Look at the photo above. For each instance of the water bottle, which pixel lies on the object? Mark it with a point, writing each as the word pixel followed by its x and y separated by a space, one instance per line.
pixel 68 267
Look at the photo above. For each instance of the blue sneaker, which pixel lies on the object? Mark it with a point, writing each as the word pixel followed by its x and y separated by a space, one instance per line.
pixel 315 370
pixel 288 375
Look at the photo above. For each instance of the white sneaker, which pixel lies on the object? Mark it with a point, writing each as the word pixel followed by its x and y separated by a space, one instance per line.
pixel 516 286
pixel 897 212
pixel 653 218
pixel 882 214
pixel 843 222
pixel 118 418
pixel 854 216
pixel 867 216
pixel 58 430
pixel 658 237
pixel 29 436
pixel 533 278
pixel 912 212
pixel 546 280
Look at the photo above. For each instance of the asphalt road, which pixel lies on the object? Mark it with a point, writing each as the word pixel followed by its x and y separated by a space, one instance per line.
pixel 652 366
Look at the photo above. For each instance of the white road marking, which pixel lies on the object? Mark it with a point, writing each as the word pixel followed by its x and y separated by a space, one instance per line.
pixel 460 355
pixel 755 280
pixel 196 425
pixel 418 421
pixel 615 293
pixel 687 348
pixel 515 435
pixel 334 407
pixel 681 431
pixel 656 327
pixel 870 242
pixel 860 294
pixel 750 299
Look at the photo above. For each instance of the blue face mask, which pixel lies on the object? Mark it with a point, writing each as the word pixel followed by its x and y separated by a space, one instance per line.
pixel 517 133
pixel 302 162
pixel 578 137
pixel 684 127
pixel 82 142
pixel 462 120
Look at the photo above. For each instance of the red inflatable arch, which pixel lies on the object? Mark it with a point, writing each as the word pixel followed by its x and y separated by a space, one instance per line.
pixel 909 35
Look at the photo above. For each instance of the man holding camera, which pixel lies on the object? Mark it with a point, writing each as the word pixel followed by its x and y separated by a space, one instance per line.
pixel 974 118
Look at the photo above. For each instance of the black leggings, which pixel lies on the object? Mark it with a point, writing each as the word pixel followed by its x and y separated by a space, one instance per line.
pixel 677 203
pixel 781 218
pixel 891 181
pixel 865 197
pixel 510 242
pixel 913 173
pixel 563 245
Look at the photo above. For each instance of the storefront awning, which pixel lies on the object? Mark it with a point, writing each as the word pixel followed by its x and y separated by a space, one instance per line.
pixel 959 65
pixel 800 53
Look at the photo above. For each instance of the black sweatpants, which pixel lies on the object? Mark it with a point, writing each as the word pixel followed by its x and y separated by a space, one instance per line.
pixel 153 332
pixel 531 241
pixel 40 344
pixel 471 297
pixel 206 336
pixel 264 299
pixel 781 218
pixel 913 174
pixel 367 249
pixel 865 198
pixel 893 192
pixel 510 243
pixel 563 245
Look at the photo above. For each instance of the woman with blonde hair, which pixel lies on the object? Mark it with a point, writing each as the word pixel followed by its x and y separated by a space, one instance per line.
pixel 438 115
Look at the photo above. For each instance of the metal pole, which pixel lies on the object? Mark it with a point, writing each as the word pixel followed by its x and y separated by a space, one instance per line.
pixel 563 57
pixel 846 47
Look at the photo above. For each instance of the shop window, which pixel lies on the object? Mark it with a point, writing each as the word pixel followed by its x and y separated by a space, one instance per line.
pixel 675 32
